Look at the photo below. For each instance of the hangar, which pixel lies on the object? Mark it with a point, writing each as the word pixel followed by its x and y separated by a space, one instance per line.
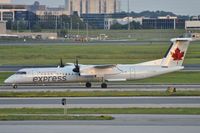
pixel 192 25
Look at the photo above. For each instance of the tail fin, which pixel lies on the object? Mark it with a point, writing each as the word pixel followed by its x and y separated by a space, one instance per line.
pixel 177 52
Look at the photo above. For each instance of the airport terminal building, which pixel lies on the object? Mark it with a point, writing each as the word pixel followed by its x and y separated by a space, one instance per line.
pixel 92 6
pixel 102 16
pixel 166 22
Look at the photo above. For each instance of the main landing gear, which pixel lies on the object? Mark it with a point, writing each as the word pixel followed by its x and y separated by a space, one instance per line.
pixel 104 85
pixel 89 85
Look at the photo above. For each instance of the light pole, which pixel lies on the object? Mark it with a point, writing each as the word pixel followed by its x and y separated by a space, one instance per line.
pixel 12 25
pixel 129 26
pixel 68 28
pixel 29 25
pixel 71 25
pixel 64 26
pixel 56 24
pixel 78 28
pixel 17 26
pixel 87 31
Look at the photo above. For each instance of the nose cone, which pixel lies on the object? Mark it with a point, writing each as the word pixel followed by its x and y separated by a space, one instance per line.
pixel 9 80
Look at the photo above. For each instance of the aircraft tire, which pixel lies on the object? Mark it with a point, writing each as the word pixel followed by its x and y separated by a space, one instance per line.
pixel 88 85
pixel 14 86
pixel 104 85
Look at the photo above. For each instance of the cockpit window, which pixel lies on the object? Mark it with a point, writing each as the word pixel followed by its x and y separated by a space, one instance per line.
pixel 20 73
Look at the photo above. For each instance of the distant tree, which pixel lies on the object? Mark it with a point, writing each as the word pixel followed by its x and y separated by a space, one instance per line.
pixel 135 25
pixel 118 26
pixel 151 14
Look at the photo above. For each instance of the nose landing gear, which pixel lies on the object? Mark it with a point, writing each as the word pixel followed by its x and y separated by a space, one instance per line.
pixel 14 86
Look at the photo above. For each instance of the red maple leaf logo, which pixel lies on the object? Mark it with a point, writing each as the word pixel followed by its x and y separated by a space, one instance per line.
pixel 178 55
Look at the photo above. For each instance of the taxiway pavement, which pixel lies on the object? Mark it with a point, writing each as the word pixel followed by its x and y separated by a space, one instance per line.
pixel 96 87
pixel 121 123
pixel 101 102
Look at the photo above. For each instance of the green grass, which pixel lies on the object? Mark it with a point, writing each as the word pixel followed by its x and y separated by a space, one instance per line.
pixel 150 34
pixel 174 78
pixel 99 94
pixel 88 54
pixel 144 34
pixel 74 113
pixel 4 75
pixel 57 111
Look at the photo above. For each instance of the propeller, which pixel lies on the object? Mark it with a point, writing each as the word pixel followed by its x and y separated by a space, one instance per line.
pixel 61 63
pixel 77 67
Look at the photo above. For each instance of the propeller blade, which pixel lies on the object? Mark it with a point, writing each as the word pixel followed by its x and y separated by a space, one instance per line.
pixel 61 63
pixel 76 65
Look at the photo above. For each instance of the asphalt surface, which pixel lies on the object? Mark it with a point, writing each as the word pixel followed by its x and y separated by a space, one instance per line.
pixel 122 123
pixel 93 102
pixel 96 87
pixel 8 68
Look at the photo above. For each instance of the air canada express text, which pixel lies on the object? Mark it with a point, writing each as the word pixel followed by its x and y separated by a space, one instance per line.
pixel 50 79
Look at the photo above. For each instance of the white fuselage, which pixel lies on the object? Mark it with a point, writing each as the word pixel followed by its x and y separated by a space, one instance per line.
pixel 66 74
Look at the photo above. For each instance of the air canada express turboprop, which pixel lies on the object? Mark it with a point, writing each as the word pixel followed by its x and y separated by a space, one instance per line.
pixel 70 72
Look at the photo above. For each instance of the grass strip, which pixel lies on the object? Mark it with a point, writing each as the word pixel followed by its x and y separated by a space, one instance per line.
pixel 99 94
pixel 52 117
pixel 58 111
pixel 89 54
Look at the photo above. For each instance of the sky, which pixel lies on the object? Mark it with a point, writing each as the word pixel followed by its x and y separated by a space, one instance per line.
pixel 179 7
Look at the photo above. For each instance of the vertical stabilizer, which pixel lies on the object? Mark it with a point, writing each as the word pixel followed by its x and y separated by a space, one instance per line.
pixel 176 53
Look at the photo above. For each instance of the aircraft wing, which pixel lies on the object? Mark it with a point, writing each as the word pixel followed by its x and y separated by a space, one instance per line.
pixel 99 70
pixel 104 66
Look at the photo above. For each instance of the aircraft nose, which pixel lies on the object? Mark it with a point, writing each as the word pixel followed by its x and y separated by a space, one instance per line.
pixel 8 80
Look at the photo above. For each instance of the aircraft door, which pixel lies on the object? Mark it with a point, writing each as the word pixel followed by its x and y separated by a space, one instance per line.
pixel 132 72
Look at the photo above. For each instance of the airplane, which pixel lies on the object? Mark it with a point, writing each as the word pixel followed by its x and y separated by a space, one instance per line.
pixel 171 62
